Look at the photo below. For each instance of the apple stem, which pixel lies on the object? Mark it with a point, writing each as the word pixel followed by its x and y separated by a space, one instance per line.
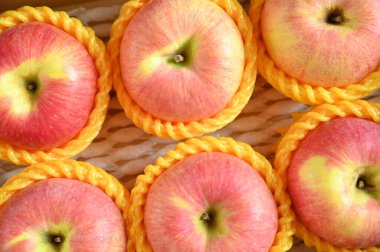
pixel 57 239
pixel 205 217
pixel 178 58
pixel 337 19
pixel 335 16
pixel 361 184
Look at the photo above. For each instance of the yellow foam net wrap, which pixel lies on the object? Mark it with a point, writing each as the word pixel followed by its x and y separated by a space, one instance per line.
pixel 284 236
pixel 165 129
pixel 298 131
pixel 70 169
pixel 97 51
pixel 304 92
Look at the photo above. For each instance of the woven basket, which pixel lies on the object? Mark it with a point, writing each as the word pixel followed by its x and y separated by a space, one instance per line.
pixel 305 92
pixel 152 125
pixel 283 239
pixel 96 49
pixel 298 131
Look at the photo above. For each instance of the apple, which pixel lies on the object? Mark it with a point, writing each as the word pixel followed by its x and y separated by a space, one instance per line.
pixel 181 60
pixel 334 182
pixel 48 83
pixel 324 43
pixel 210 202
pixel 60 214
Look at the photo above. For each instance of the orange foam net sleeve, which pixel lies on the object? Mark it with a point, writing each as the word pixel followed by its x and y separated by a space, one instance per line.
pixel 304 92
pixel 284 236
pixel 155 126
pixel 70 169
pixel 97 51
pixel 298 131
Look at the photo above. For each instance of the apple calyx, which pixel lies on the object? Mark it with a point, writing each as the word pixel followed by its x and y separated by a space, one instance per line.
pixel 335 16
pixel 184 55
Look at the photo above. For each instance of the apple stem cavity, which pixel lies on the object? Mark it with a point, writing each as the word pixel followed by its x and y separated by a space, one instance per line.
pixel 31 86
pixel 362 184
pixel 335 16
pixel 208 217
pixel 56 240
pixel 212 221
pixel 184 55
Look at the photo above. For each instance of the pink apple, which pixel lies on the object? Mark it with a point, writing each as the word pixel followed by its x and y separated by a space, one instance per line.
pixel 182 60
pixel 334 182
pixel 323 42
pixel 210 202
pixel 47 86
pixel 61 215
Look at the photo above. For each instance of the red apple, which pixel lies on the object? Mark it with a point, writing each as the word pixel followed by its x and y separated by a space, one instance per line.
pixel 182 60
pixel 210 202
pixel 47 86
pixel 334 182
pixel 61 215
pixel 323 42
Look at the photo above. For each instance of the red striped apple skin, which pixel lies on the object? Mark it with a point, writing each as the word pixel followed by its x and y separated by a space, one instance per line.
pixel 303 44
pixel 85 217
pixel 48 83
pixel 324 182
pixel 241 207
pixel 205 82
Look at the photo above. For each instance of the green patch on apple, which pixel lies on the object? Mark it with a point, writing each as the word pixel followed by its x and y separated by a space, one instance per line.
pixel 23 84
pixel 56 238
pixel 184 56
pixel 369 181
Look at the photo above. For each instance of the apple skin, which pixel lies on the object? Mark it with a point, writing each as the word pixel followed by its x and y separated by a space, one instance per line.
pixel 245 213
pixel 209 77
pixel 322 181
pixel 84 215
pixel 305 46
pixel 65 82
